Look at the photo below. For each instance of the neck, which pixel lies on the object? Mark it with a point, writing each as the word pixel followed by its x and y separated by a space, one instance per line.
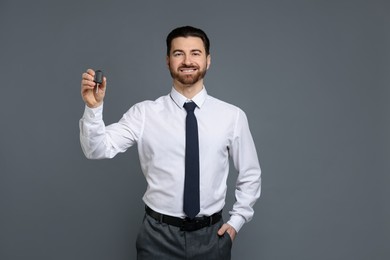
pixel 190 90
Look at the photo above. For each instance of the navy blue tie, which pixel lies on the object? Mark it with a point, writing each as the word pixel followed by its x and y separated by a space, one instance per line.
pixel 191 182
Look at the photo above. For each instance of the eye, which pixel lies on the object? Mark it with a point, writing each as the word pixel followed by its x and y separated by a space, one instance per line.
pixel 196 53
pixel 177 54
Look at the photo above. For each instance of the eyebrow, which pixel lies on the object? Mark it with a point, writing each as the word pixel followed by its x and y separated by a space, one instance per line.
pixel 193 50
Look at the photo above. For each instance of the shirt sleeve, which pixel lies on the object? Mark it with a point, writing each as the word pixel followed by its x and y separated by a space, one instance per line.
pixel 248 185
pixel 99 141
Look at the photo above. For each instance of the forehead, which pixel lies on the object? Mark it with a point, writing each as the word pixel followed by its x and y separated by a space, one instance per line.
pixel 187 44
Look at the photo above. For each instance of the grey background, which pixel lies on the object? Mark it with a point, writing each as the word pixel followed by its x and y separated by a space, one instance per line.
pixel 312 76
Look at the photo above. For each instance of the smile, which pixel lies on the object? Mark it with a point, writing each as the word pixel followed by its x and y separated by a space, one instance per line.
pixel 187 70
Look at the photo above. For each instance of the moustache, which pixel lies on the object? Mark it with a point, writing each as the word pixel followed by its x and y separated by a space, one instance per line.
pixel 188 67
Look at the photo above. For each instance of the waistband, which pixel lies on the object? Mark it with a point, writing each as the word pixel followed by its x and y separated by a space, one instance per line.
pixel 185 224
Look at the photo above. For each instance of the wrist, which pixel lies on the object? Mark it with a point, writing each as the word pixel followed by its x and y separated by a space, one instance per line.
pixel 96 105
pixel 236 221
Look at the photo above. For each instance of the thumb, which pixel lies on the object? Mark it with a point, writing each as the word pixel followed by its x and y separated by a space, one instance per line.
pixel 223 229
pixel 104 83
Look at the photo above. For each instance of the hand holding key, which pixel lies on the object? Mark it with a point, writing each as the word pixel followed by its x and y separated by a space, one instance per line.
pixel 93 87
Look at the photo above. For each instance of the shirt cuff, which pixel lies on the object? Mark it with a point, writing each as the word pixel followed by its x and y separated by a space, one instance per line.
pixel 236 222
pixel 91 114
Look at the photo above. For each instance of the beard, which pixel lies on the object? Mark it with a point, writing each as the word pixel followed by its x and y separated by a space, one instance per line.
pixel 189 79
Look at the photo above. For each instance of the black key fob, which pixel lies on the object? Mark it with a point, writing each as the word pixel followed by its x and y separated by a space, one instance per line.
pixel 98 77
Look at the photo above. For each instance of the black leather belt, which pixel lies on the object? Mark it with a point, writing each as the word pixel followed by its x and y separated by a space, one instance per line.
pixel 185 224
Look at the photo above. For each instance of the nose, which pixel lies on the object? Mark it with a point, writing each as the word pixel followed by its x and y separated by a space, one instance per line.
pixel 187 60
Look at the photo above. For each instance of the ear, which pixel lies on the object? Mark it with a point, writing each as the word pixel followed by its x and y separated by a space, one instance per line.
pixel 208 61
pixel 167 60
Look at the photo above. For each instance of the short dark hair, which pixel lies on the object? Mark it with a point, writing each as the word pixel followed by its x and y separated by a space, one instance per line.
pixel 187 31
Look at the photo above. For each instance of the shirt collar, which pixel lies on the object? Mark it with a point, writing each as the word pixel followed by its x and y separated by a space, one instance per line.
pixel 179 99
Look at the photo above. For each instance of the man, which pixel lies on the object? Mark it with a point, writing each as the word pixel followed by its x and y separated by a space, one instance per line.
pixel 183 155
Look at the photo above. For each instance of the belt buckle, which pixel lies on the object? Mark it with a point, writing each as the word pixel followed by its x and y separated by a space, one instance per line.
pixel 191 224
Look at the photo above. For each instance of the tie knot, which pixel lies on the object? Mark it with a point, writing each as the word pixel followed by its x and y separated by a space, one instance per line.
pixel 190 106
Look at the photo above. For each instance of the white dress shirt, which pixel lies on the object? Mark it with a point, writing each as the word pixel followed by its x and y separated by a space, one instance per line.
pixel 158 129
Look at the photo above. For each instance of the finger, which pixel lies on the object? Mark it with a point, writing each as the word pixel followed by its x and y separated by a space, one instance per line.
pixel 87 84
pixel 223 229
pixel 226 228
pixel 87 76
pixel 91 72
pixel 85 88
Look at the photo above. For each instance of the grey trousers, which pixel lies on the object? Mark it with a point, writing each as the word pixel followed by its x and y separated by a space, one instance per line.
pixel 160 241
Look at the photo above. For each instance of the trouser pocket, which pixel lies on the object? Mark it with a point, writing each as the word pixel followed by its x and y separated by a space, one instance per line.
pixel 225 246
